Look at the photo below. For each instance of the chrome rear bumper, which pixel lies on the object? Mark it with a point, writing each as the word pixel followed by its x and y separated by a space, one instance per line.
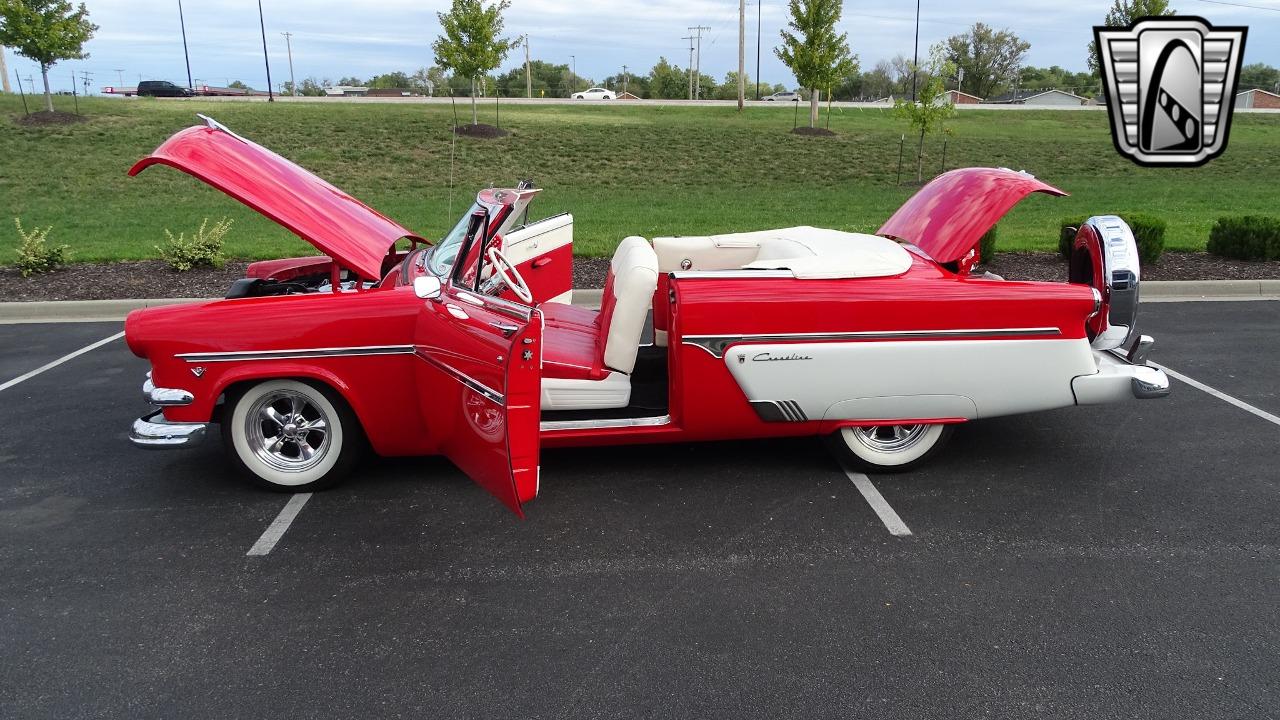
pixel 1122 375
pixel 153 432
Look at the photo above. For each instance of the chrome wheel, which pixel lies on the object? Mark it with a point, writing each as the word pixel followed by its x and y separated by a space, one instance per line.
pixel 288 432
pixel 889 438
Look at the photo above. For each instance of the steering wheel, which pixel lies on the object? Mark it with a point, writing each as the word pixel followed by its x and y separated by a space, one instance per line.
pixel 507 271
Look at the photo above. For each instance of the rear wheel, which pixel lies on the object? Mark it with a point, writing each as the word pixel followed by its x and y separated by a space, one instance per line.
pixel 291 436
pixel 890 448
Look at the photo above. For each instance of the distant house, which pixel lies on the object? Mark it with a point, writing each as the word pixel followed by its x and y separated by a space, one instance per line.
pixel 627 96
pixel 346 91
pixel 1259 99
pixel 955 97
pixel 1049 98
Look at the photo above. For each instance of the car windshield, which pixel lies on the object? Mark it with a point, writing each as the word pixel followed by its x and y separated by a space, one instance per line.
pixel 447 250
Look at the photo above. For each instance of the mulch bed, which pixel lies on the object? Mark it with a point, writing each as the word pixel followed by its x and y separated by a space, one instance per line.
pixel 813 131
pixel 44 117
pixel 154 279
pixel 487 132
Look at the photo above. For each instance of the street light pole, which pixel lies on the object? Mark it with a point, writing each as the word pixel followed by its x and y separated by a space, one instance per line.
pixel 528 77
pixel 759 13
pixel 573 70
pixel 262 23
pixel 183 24
pixel 742 46
pixel 288 36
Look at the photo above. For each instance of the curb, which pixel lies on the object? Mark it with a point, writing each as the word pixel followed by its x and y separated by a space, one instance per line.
pixel 115 310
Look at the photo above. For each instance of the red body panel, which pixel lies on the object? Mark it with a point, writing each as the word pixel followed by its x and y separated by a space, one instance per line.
pixel 289 268
pixel 336 223
pixel 948 216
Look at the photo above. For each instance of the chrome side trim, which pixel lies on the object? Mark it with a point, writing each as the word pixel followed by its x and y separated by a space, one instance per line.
pixel 728 274
pixel 553 425
pixel 466 380
pixel 165 397
pixel 153 432
pixel 237 355
pixel 715 345
pixel 512 310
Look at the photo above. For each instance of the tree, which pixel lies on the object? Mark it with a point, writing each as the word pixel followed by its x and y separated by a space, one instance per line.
pixel 1260 75
pixel 989 58
pixel 1122 14
pixel 351 81
pixel 817 56
pixel 470 46
pixel 928 113
pixel 390 81
pixel 45 31
pixel 667 81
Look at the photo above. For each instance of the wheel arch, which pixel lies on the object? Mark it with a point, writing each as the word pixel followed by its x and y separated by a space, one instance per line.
pixel 244 378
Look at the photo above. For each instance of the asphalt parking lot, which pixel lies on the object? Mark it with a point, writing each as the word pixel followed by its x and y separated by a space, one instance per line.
pixel 1118 561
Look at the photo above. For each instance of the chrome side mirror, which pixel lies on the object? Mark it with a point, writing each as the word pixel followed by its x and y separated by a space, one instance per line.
pixel 426 287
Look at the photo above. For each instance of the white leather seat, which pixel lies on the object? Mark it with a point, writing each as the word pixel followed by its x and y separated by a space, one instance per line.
pixel 589 355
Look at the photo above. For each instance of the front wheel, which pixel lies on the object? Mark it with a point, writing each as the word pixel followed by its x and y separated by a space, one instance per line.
pixel 890 448
pixel 290 436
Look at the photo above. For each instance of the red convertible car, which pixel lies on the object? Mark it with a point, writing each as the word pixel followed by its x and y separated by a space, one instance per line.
pixel 468 347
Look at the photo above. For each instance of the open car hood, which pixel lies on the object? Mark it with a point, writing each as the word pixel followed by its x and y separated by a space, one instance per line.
pixel 342 227
pixel 948 216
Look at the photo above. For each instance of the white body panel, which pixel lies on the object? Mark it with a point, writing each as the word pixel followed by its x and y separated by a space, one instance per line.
pixel 911 380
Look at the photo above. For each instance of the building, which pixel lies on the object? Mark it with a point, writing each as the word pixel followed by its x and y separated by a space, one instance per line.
pixel 1257 98
pixel 955 97
pixel 346 91
pixel 1048 98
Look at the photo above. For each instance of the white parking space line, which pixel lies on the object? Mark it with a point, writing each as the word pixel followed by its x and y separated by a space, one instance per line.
pixel 277 528
pixel 1220 395
pixel 59 361
pixel 891 521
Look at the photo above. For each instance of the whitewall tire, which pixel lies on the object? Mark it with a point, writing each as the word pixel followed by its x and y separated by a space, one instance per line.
pixel 291 436
pixel 890 448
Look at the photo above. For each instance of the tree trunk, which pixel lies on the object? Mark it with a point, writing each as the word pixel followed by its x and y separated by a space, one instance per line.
pixel 813 106
pixel 475 117
pixel 48 96
pixel 920 159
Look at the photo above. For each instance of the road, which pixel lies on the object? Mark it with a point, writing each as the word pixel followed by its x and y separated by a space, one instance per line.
pixel 1106 562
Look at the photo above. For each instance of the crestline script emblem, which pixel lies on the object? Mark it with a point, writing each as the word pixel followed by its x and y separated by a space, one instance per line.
pixel 769 357
pixel 1171 85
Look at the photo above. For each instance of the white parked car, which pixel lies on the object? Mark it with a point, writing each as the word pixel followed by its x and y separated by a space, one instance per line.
pixel 787 96
pixel 595 94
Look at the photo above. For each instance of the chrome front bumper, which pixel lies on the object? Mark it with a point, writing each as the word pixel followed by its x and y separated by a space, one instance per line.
pixel 153 432
pixel 1122 375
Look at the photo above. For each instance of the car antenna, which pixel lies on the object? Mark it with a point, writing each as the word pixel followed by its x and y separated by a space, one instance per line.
pixel 453 144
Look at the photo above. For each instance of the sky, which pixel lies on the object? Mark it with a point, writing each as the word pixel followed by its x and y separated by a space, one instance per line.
pixel 338 38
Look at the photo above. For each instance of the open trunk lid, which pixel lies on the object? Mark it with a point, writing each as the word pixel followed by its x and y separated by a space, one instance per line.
pixel 953 211
pixel 338 225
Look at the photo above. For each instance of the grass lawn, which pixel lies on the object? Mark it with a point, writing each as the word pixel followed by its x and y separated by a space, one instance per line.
pixel 621 170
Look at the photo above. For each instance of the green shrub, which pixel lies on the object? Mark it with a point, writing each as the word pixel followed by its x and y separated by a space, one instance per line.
pixel 1148 232
pixel 34 256
pixel 987 246
pixel 1248 237
pixel 203 249
pixel 1067 228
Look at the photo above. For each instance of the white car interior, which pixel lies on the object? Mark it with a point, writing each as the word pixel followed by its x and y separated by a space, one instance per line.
pixel 808 252
pixel 617 327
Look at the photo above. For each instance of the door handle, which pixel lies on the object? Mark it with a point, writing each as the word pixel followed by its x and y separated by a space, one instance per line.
pixel 540 262
pixel 506 329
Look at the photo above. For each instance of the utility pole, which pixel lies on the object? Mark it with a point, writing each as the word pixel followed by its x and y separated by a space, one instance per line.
pixel 4 72
pixel 625 77
pixel 915 63
pixel 262 23
pixel 119 75
pixel 690 39
pixel 742 45
pixel 573 70
pixel 86 79
pixel 288 36
pixel 183 24
pixel 528 77
pixel 759 13
pixel 697 63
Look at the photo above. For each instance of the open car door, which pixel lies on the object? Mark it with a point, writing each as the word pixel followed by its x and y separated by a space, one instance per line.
pixel 542 252
pixel 478 388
